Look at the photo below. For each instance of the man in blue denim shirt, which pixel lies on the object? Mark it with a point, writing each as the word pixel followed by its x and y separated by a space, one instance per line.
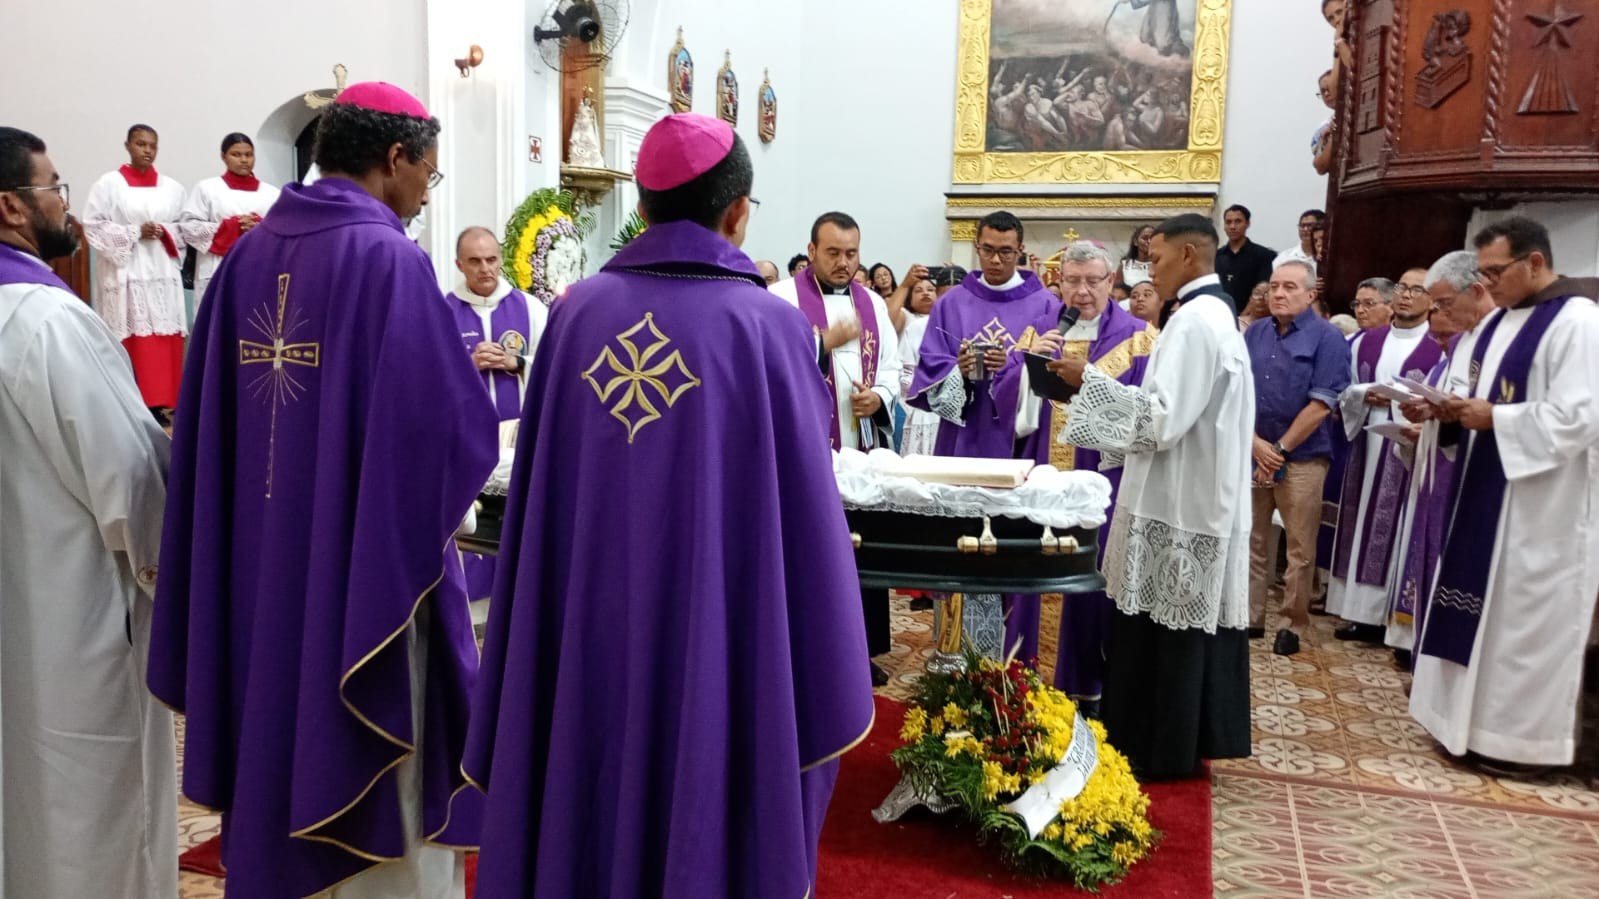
pixel 1301 365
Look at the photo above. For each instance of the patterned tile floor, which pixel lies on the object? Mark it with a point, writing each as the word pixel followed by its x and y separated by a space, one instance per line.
pixel 1345 796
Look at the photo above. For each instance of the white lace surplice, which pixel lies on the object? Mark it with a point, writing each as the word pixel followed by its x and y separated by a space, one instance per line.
pixel 138 286
pixel 1178 549
pixel 208 204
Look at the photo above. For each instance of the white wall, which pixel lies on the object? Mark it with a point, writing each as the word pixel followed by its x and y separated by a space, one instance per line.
pixel 1573 230
pixel 865 94
pixel 1279 49
pixel 79 72
pixel 866 111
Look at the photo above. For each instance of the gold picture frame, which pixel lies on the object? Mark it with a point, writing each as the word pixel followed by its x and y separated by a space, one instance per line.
pixel 1198 163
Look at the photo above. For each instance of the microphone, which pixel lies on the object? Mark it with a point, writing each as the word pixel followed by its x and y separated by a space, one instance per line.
pixel 1068 317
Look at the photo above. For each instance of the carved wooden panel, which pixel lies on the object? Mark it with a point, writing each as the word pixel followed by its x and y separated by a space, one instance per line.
pixel 1485 96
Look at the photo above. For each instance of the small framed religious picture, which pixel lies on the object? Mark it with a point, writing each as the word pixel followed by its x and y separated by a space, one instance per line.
pixel 768 110
pixel 727 92
pixel 680 76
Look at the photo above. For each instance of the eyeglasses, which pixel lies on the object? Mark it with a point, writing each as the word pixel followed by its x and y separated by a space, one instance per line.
pixel 755 206
pixel 60 190
pixel 1368 304
pixel 435 177
pixel 1412 290
pixel 1003 253
pixel 1089 281
pixel 1492 273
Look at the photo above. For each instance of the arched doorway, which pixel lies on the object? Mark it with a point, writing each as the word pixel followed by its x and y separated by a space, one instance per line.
pixel 303 146
pixel 283 142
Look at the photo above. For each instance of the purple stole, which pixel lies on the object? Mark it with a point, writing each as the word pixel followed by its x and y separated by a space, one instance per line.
pixel 1427 523
pixel 1389 482
pixel 1477 500
pixel 815 309
pixel 510 326
pixel 17 267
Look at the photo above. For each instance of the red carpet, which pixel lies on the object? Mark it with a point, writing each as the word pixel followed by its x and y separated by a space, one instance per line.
pixel 205 858
pixel 937 856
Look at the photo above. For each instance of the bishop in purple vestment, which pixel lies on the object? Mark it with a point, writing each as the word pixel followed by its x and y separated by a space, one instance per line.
pixel 331 439
pixel 1118 343
pixel 674 659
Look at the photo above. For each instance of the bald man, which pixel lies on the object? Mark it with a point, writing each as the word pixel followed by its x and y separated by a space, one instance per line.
pixel 498 325
pixel 500 328
pixel 768 270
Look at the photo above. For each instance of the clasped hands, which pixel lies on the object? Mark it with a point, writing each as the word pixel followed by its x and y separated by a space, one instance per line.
pixel 1267 462
pixel 490 356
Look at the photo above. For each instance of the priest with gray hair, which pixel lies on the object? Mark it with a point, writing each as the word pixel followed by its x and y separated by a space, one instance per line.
pixel 1499 655
pixel 1118 343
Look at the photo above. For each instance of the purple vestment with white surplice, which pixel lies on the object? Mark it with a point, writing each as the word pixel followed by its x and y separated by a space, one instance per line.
pixel 332 437
pixel 1377 533
pixel 977 312
pixel 1432 473
pixel 512 330
pixel 675 658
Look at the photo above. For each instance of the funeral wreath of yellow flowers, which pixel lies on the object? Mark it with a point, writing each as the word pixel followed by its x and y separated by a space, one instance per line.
pixel 543 250
pixel 984 737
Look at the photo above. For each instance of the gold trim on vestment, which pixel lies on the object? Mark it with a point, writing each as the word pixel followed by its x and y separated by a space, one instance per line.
pixel 305 833
pixel 449 813
pixel 852 744
pixel 1114 364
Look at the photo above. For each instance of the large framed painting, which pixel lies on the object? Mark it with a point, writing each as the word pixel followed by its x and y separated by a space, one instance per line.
pixel 1091 92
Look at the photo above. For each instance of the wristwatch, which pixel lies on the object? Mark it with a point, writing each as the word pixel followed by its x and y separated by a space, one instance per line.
pixel 1278 449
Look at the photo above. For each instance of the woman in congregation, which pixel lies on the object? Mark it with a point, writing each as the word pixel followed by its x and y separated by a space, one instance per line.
pixel 1135 265
pixel 1144 302
pixel 220 210
pixel 881 279
pixel 921 427
pixel 1258 307
pixel 131 221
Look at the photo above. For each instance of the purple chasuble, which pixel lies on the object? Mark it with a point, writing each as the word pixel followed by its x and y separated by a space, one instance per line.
pixel 331 439
pixel 18 267
pixel 815 309
pixel 510 328
pixel 977 312
pixel 1477 499
pixel 665 696
pixel 1420 560
pixel 1121 350
pixel 1389 483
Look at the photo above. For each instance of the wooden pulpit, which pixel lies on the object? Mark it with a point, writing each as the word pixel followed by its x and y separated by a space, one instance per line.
pixel 1454 105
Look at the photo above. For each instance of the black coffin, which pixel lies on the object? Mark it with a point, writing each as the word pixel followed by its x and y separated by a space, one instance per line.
pixel 928 552
pixel 485 541
pixel 925 552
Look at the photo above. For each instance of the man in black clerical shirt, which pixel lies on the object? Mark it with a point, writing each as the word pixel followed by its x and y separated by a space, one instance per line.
pixel 1241 263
